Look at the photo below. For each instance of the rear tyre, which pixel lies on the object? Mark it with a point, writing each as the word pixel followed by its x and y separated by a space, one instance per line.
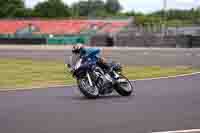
pixel 91 92
pixel 124 87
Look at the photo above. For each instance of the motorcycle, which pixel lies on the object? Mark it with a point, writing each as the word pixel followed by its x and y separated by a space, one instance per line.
pixel 93 81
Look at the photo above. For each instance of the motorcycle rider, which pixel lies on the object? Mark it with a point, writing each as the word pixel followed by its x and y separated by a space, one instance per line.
pixel 92 54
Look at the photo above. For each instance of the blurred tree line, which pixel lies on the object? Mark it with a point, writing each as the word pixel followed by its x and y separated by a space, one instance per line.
pixel 172 17
pixel 58 9
pixel 95 8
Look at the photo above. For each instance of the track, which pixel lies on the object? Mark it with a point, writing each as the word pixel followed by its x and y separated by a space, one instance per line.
pixel 159 105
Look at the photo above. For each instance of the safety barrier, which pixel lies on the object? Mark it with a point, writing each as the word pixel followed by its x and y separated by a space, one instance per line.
pixel 27 41
pixel 129 40
pixel 44 39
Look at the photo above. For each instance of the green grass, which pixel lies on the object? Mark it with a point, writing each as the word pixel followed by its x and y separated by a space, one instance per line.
pixel 25 73
pixel 157 71
pixel 21 73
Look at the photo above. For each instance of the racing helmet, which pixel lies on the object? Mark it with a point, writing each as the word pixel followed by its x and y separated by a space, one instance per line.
pixel 77 48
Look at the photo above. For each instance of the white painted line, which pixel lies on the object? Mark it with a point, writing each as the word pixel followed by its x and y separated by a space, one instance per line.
pixel 147 79
pixel 188 54
pixel 181 131
pixel 168 77
pixel 56 47
pixel 146 53
pixel 183 75
pixel 29 89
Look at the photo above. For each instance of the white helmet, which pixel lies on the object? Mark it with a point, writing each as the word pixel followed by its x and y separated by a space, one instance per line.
pixel 77 48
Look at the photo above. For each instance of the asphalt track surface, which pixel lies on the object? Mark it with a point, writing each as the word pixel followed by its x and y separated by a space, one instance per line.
pixel 159 105
pixel 126 56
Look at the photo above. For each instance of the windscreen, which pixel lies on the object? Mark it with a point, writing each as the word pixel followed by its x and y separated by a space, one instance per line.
pixel 73 59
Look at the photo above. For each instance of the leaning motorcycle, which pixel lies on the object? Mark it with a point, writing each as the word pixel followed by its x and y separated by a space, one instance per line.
pixel 93 81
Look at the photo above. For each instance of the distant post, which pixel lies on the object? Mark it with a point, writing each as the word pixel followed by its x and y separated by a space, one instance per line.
pixel 165 16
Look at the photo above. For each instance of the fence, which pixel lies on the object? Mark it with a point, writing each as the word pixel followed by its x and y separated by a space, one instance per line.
pixel 44 39
pixel 130 40
pixel 68 40
pixel 27 41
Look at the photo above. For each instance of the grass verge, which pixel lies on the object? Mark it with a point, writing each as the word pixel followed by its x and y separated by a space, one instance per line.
pixel 25 73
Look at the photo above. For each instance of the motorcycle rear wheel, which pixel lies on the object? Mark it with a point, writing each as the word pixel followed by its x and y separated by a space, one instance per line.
pixel 124 88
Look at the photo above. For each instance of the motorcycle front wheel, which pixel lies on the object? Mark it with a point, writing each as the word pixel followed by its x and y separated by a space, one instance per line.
pixel 87 90
pixel 123 86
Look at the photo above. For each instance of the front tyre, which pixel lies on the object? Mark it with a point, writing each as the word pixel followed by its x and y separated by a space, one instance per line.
pixel 88 91
pixel 124 86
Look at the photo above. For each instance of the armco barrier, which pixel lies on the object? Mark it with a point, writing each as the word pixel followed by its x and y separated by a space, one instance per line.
pixel 68 40
pixel 130 40
pixel 27 41
pixel 195 41
pixel 44 39
pixel 121 40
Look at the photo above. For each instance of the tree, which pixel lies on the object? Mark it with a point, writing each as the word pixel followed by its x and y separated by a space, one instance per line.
pixel 52 9
pixel 89 8
pixel 24 13
pixel 113 6
pixel 81 8
pixel 96 8
pixel 9 8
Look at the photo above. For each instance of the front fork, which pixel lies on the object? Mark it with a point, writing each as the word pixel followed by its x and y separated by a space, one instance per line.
pixel 89 79
pixel 112 77
pixel 116 75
